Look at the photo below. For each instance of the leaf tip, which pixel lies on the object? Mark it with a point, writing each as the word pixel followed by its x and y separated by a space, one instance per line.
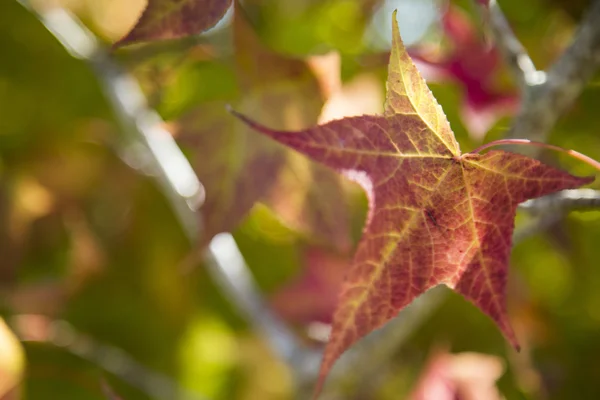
pixel 249 122
pixel 395 22
pixel 118 44
pixel 510 336
pixel 318 387
pixel 397 44
pixel 131 37
pixel 238 115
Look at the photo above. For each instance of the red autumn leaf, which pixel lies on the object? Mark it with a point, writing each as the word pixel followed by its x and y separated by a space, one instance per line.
pixel 169 19
pixel 313 296
pixel 474 65
pixel 465 376
pixel 238 168
pixel 436 216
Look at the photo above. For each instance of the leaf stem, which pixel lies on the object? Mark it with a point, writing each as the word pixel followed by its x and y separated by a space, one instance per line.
pixel 575 154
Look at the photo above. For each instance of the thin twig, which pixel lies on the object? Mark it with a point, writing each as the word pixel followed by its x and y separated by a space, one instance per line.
pixel 543 104
pixel 514 53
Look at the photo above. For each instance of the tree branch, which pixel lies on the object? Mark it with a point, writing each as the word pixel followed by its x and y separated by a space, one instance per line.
pixel 228 268
pixel 567 200
pixel 514 53
pixel 543 104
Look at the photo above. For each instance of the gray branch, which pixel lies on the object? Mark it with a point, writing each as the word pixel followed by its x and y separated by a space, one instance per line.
pixel 547 95
pixel 565 201
pixel 550 209
pixel 227 266
pixel 543 104
pixel 512 50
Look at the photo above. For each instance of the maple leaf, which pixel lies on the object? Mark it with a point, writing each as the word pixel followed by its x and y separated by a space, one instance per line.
pixel 435 216
pixel 170 19
pixel 474 65
pixel 238 168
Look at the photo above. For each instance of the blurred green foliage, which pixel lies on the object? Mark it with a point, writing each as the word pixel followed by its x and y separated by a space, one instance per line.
pixel 87 239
